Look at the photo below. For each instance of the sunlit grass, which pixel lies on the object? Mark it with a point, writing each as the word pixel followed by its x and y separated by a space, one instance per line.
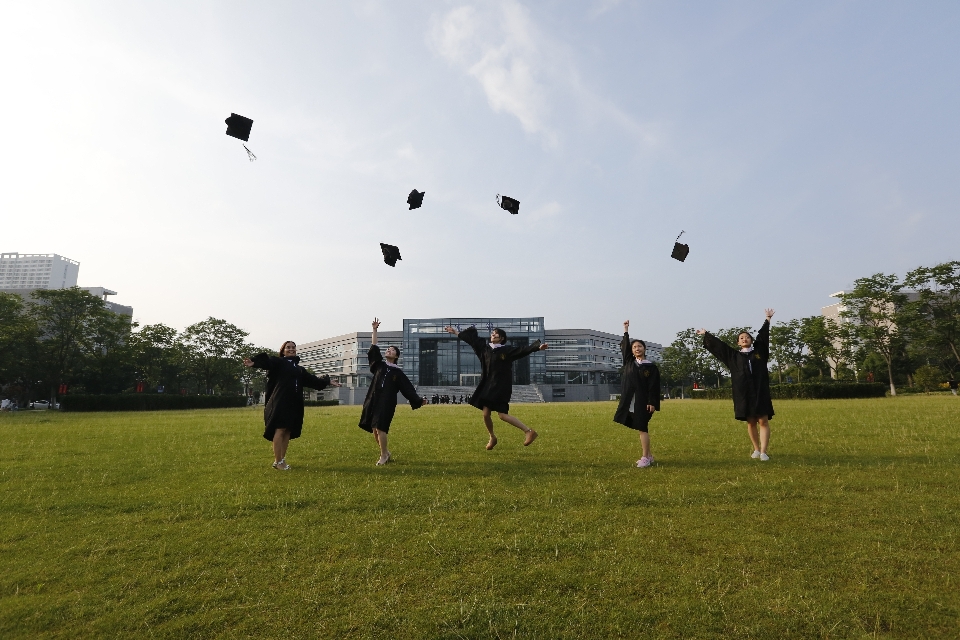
pixel 174 524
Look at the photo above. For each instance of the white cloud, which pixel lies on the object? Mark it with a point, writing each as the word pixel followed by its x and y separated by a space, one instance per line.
pixel 523 71
pixel 503 50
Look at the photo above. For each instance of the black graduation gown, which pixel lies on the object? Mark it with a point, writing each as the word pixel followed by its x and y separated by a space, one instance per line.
pixel 748 371
pixel 496 370
pixel 640 385
pixel 285 382
pixel 381 401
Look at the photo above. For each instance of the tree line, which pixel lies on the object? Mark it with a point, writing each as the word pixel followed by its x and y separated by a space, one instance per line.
pixel 902 331
pixel 66 340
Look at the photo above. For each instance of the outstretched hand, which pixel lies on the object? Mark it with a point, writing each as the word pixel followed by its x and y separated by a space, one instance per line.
pixel 375 324
pixel 335 383
pixel 451 330
pixel 247 362
pixel 544 346
pixel 700 332
pixel 769 313
pixel 626 326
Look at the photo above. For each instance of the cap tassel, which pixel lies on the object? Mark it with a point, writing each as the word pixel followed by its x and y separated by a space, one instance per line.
pixel 250 154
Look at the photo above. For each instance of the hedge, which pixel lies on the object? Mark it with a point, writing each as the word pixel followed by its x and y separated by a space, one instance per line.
pixel 147 402
pixel 320 403
pixel 806 390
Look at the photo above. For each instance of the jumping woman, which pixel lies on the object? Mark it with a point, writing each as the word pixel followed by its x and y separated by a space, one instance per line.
pixel 639 391
pixel 496 377
pixel 381 401
pixel 751 381
pixel 283 412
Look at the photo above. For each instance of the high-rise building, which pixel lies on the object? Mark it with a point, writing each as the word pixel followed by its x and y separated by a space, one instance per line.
pixel 37 271
pixel 24 273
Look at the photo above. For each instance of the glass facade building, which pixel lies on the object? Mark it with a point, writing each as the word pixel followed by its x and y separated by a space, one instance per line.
pixel 433 357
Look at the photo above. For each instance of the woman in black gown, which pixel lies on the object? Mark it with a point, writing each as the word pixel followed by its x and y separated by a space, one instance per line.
pixel 381 401
pixel 751 381
pixel 496 377
pixel 639 392
pixel 283 411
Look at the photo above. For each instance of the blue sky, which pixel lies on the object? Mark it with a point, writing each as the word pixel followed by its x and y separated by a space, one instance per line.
pixel 799 145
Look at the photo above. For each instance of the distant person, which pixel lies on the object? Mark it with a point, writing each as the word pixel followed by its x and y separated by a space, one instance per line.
pixel 381 401
pixel 751 381
pixel 496 377
pixel 639 392
pixel 953 384
pixel 283 411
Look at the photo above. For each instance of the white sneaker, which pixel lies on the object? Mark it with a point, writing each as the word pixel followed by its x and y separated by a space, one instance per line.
pixel 764 457
pixel 755 455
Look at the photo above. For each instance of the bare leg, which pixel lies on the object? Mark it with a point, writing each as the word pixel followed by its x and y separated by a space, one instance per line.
pixel 488 422
pixel 509 419
pixel 764 433
pixel 645 443
pixel 281 439
pixel 752 430
pixel 381 437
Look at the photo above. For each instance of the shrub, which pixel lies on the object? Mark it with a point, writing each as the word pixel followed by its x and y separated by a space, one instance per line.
pixel 320 403
pixel 147 402
pixel 928 378
pixel 807 390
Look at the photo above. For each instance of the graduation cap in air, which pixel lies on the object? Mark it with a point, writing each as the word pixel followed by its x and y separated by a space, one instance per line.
pixel 680 251
pixel 239 127
pixel 415 199
pixel 390 254
pixel 508 203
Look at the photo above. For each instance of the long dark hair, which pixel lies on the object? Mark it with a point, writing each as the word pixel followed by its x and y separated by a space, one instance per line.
pixel 284 346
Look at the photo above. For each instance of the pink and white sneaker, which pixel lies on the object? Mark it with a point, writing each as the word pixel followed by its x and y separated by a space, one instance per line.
pixel 645 462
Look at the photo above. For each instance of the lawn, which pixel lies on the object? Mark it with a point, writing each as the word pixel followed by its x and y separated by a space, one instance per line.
pixel 173 524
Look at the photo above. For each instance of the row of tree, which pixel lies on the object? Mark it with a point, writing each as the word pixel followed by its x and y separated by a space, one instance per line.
pixel 67 337
pixel 906 331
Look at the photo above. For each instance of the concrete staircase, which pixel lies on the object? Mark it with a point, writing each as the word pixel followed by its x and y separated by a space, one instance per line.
pixel 522 393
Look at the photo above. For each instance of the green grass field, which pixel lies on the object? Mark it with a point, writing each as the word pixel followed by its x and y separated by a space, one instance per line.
pixel 174 524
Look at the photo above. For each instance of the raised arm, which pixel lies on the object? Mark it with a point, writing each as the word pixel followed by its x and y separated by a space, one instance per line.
pixel 625 343
pixel 472 338
pixel 373 354
pixel 523 352
pixel 260 361
pixel 762 344
pixel 720 349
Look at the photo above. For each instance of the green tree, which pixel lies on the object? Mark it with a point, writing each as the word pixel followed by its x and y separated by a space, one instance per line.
pixel 816 337
pixel 216 350
pixel 786 347
pixel 935 316
pixel 844 345
pixel 18 346
pixel 65 319
pixel 876 307
pixel 159 357
pixel 108 363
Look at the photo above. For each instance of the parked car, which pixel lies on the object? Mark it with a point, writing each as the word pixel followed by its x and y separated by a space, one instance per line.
pixel 43 404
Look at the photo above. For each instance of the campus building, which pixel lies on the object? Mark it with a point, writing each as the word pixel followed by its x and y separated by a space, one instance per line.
pixel 24 273
pixel 581 364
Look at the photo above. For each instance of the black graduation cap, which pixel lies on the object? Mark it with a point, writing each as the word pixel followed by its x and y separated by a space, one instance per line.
pixel 415 199
pixel 508 203
pixel 239 127
pixel 390 254
pixel 680 251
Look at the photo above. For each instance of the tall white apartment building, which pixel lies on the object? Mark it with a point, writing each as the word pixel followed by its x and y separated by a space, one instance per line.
pixel 37 271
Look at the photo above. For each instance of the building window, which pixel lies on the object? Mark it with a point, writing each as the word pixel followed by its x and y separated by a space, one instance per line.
pixel 559 392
